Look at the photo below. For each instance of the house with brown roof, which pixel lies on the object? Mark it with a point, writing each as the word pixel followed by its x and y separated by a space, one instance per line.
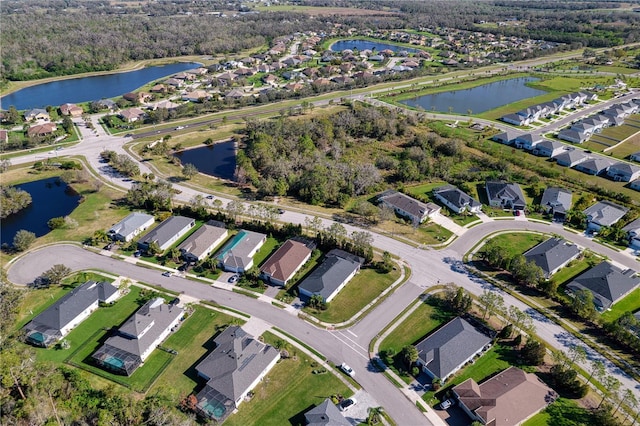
pixel 507 399
pixel 43 129
pixel 72 110
pixel 196 96
pixel 159 88
pixel 285 262
pixel 137 97
pixel 132 114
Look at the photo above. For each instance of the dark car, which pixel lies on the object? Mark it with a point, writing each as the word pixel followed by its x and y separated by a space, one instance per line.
pixel 280 211
pixel 137 253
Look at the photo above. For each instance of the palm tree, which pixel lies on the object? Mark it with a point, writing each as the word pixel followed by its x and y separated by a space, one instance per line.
pixel 375 414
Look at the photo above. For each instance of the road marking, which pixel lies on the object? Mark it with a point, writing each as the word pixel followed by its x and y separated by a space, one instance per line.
pixel 352 333
pixel 350 346
pixel 354 342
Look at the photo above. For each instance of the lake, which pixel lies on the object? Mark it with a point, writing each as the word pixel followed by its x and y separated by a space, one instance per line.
pixel 361 45
pixel 217 160
pixel 478 99
pixel 49 198
pixel 83 89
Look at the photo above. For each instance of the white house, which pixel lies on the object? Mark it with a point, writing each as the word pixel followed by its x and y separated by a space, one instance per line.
pixel 129 227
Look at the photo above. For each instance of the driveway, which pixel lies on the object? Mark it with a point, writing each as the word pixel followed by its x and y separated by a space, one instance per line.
pixel 359 413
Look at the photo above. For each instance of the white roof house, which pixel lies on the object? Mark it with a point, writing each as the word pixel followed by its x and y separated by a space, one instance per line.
pixel 130 226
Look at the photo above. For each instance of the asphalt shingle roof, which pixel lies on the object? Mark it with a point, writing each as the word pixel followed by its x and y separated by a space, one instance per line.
pixel 456 197
pixel 605 213
pixel 607 283
pixel 327 277
pixel 325 414
pixel 552 254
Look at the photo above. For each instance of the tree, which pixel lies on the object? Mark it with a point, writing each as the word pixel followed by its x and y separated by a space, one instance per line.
pixel 234 209
pixel 99 236
pixel 317 302
pixel 577 354
pixel 582 304
pixel 313 224
pixel 189 170
pixel 154 248
pixel 533 352
pixel 174 254
pixel 57 272
pixel 11 298
pixel 520 320
pixel 597 370
pixel 4 165
pixel 23 239
pixel 409 354
pixel 492 303
pixel 374 414
pixel 610 387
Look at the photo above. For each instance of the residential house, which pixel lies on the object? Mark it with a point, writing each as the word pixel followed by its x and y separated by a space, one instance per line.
pixel 527 141
pixel 129 227
pixel 571 158
pixel 136 339
pixel 604 213
pixel 164 104
pixel 557 202
pixel 515 119
pixel 37 114
pixel 635 185
pixel 573 135
pixel 44 129
pixel 507 399
pixel 106 104
pixel 71 110
pixel 593 165
pixel 167 233
pixel 456 200
pixel 325 414
pixel 635 156
pixel 285 262
pixel 196 96
pixel 201 243
pixel 506 138
pixel 633 234
pixel 132 114
pixel 408 207
pixel 505 195
pixel 335 271
pixel 548 148
pixel 449 348
pixel 552 255
pixel 623 172
pixel 233 368
pixel 174 82
pixel 227 78
pixel 159 88
pixel 138 97
pixel 68 312
pixel 237 254
pixel 234 94
pixel 607 282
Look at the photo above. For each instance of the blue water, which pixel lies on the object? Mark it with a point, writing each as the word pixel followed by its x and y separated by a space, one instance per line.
pixel 361 45
pixel 89 88
pixel 49 198
pixel 217 160
pixel 478 99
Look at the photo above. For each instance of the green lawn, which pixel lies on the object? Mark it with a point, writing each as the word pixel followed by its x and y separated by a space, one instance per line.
pixel 289 390
pixel 265 251
pixel 630 303
pixel 563 412
pixel 574 268
pixel 193 341
pixel 361 290
pixel 517 242
pixel 425 190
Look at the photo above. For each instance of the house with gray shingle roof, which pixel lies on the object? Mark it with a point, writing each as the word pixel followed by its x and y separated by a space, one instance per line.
pixel 557 202
pixel 608 284
pixel 201 243
pixel 68 312
pixel 604 213
pixel 527 141
pixel 623 172
pixel 594 166
pixel 167 233
pixel 635 185
pixel 408 207
pixel 552 255
pixel 129 227
pixel 456 200
pixel 450 347
pixel 633 233
pixel 237 254
pixel 325 414
pixel 505 195
pixel 635 156
pixel 548 148
pixel 136 339
pixel 506 138
pixel 571 158
pixel 335 271
pixel 235 366
pixel 573 135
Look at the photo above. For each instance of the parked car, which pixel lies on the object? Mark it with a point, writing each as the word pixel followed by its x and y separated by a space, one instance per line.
pixel 137 253
pixel 209 197
pixel 347 403
pixel 280 211
pixel 446 404
pixel 179 127
pixel 233 278
pixel 166 274
pixel 348 370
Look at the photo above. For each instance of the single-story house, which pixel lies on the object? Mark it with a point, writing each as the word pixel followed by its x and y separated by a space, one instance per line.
pixel 604 213
pixel 548 148
pixel 516 119
pixel 325 414
pixel 138 97
pixel 68 312
pixel 233 368
pixel 571 158
pixel 408 207
pixel 635 185
pixel 635 156
pixel 573 135
pixel 607 282
pixel 505 195
pixel 37 114
pixel 159 88
pixel 527 141
pixel 623 172
pixel 106 104
pixel 167 233
pixel 556 201
pixel 234 94
pixel 43 129
pixel 129 227
pixel 201 243
pixel 174 82
pixel 507 399
pixel 552 255
pixel 237 254
pixel 335 271
pixel 72 110
pixel 633 233
pixel 196 96
pixel 449 348
pixel 506 138
pixel 282 265
pixel 164 104
pixel 132 114
pixel 594 166
pixel 456 200
pixel 136 339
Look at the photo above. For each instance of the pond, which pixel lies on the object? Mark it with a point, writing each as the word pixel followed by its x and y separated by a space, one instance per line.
pixel 361 45
pixel 217 160
pixel 49 198
pixel 477 99
pixel 92 88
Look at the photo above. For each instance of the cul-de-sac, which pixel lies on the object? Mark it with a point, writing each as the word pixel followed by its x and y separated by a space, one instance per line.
pixel 325 213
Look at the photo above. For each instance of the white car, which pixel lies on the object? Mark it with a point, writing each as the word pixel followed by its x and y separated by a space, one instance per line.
pixel 179 127
pixel 348 370
pixel 347 403
pixel 446 404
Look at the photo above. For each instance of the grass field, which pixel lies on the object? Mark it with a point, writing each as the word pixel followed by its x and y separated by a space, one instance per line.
pixel 630 303
pixel 561 412
pixel 630 146
pixel 265 251
pixel 361 290
pixel 517 242
pixel 289 390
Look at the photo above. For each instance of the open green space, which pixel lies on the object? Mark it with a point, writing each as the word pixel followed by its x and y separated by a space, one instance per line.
pixel 629 303
pixel 561 412
pixel 517 242
pixel 576 267
pixel 265 251
pixel 360 291
pixel 289 390
pixel 628 147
